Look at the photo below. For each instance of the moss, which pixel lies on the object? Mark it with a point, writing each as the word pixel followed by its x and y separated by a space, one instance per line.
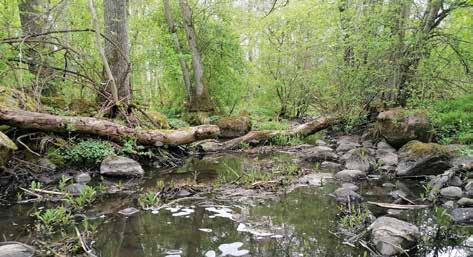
pixel 6 142
pixel 157 118
pixel 418 148
pixel 13 98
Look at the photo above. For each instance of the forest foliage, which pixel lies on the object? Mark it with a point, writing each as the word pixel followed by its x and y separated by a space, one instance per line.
pixel 272 59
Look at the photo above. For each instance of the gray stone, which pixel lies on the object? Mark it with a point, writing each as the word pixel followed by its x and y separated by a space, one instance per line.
pixel 347 146
pixel 319 153
pixel 350 186
pixel 463 215
pixel 345 195
pixel 390 235
pixel 455 181
pixel 120 166
pixel 82 178
pixel 451 192
pixel 314 179
pixel 367 144
pixel 350 175
pixel 75 188
pixel 384 147
pixel 449 204
pixel 388 185
pixel 330 165
pixel 387 158
pixel 320 142
pixel 469 185
pixel 128 211
pixel 465 202
pixel 11 249
pixel 359 159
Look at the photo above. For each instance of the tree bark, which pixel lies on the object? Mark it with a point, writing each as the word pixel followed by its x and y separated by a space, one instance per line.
pixel 117 53
pixel 177 46
pixel 34 20
pixel 302 130
pixel 105 128
pixel 200 100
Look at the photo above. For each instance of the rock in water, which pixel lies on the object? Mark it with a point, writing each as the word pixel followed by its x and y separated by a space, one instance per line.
pixel 82 178
pixel 128 211
pixel 346 195
pixel 350 175
pixel 11 249
pixel 417 158
pixel 463 215
pixel 392 236
pixel 120 166
pixel 399 127
pixel 359 159
pixel 6 148
pixel 319 153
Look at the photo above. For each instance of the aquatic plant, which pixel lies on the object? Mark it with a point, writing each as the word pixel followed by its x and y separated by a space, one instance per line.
pixel 53 217
pixel 86 197
pixel 148 199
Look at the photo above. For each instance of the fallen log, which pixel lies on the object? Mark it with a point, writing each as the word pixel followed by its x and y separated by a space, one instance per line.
pixel 104 128
pixel 302 130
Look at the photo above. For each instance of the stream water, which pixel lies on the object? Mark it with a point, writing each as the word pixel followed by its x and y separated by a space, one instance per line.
pixel 296 223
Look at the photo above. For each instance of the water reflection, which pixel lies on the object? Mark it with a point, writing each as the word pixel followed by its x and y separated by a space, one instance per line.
pixel 296 225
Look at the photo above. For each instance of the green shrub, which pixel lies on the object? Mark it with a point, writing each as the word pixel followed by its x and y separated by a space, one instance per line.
pixel 272 125
pixel 453 120
pixel 88 152
pixel 177 123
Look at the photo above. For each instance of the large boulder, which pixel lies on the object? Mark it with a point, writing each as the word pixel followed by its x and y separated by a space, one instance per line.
pixel 398 126
pixel 392 236
pixel 120 166
pixel 234 126
pixel 417 158
pixel 7 146
pixel 359 159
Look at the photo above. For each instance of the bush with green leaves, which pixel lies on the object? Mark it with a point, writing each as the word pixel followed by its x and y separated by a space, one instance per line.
pixel 90 151
pixel 453 120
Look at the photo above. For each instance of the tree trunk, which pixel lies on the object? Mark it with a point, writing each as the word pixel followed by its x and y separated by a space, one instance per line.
pixel 104 128
pixel 117 51
pixel 34 20
pixel 302 130
pixel 177 45
pixel 200 100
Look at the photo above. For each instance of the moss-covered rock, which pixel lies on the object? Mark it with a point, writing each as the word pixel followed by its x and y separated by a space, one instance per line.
pixel 7 146
pixel 234 126
pixel 399 126
pixel 83 106
pixel 418 158
pixel 13 98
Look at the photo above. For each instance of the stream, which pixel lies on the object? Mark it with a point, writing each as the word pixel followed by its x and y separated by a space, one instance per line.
pixel 296 221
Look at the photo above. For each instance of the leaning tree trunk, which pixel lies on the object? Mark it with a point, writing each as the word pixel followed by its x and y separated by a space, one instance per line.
pixel 177 46
pixel 302 130
pixel 34 20
pixel 117 51
pixel 200 100
pixel 104 128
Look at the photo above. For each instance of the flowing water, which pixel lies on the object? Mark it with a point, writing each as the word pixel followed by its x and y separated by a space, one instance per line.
pixel 228 223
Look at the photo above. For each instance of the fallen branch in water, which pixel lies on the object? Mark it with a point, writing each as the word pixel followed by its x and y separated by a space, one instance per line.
pixel 302 130
pixel 400 206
